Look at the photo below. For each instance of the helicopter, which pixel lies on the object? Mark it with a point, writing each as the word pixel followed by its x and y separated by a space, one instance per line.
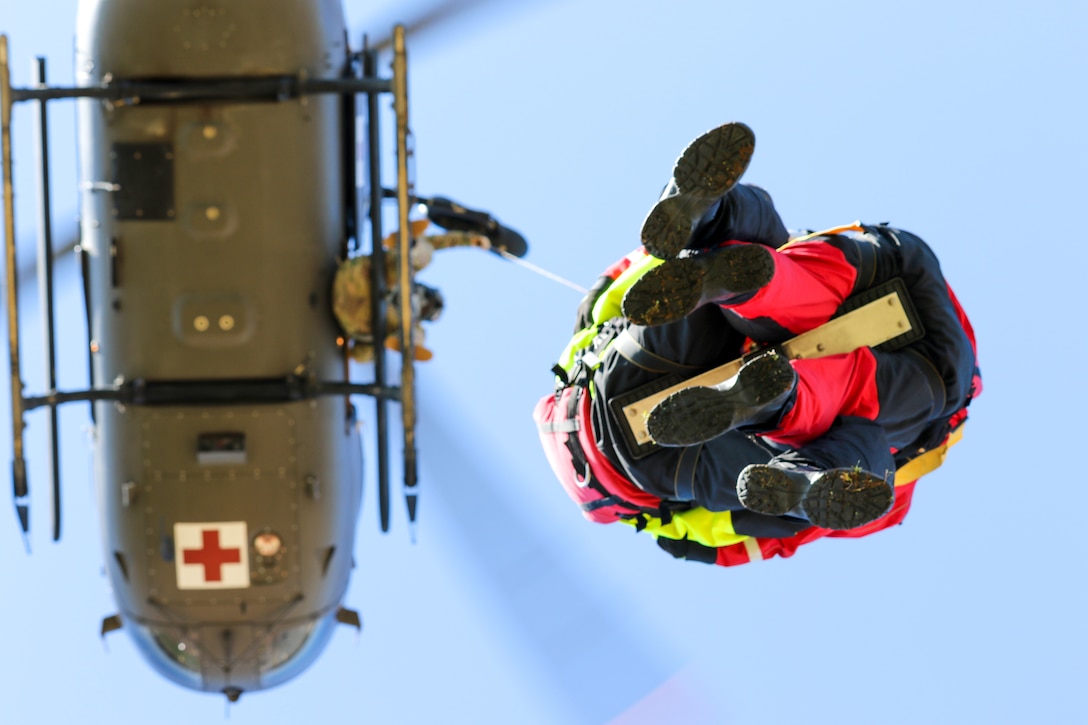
pixel 218 193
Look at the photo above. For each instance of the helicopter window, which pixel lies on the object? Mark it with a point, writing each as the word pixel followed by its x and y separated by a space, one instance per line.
pixel 173 655
pixel 144 175
pixel 290 649
pixel 283 644
pixel 177 649
pixel 228 448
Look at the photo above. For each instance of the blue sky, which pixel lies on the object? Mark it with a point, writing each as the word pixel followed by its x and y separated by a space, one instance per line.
pixel 962 122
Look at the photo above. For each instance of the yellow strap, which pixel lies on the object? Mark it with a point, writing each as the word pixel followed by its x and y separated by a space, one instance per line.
pixel 852 227
pixel 927 462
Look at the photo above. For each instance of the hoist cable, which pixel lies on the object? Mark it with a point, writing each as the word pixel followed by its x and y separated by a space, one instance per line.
pixel 542 272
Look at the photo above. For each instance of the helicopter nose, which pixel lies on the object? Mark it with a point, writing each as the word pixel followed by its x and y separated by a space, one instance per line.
pixel 228 659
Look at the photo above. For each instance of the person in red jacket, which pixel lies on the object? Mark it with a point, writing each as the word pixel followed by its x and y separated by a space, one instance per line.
pixel 795 449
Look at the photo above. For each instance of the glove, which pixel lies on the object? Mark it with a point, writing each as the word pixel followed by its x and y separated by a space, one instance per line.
pixel 690 550
pixel 585 309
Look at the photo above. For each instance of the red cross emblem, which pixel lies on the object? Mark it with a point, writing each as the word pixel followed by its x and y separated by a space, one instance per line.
pixel 211 556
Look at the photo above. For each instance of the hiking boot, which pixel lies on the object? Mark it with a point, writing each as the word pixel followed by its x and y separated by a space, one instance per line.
pixel 755 395
pixel 841 498
pixel 709 167
pixel 677 287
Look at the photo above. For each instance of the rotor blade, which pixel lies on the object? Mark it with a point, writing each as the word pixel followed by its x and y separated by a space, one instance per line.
pixel 28 265
pixel 435 17
pixel 556 620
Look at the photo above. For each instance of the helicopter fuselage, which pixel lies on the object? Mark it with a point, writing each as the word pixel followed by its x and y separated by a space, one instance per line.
pixel 210 229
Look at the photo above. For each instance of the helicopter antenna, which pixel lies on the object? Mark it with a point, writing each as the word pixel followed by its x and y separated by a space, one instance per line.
pixel 435 17
pixel 45 289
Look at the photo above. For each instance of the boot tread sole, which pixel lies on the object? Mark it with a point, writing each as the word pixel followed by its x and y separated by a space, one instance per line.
pixel 839 499
pixel 707 169
pixel 847 498
pixel 696 415
pixel 676 288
